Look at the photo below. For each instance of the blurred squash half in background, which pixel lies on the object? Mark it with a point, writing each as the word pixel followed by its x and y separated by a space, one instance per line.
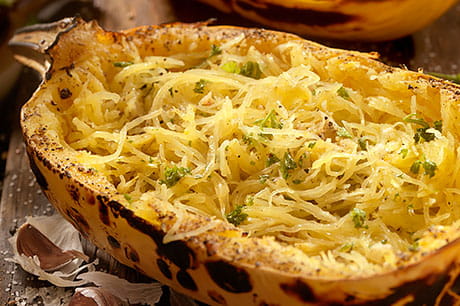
pixel 364 20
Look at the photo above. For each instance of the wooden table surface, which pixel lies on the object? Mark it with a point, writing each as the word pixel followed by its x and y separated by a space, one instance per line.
pixel 435 49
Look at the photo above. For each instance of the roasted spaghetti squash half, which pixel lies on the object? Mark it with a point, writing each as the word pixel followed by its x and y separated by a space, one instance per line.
pixel 249 166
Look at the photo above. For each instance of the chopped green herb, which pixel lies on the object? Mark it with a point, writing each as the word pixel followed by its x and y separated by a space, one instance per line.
pixel 199 86
pixel 362 143
pixel 122 64
pixel 403 153
pixel 231 67
pixel 297 181
pixel 347 247
pixel 272 159
pixel 249 201
pixel 270 121
pixel 342 92
pixel 342 132
pixel 455 78
pixel 414 247
pixel 251 69
pixel 287 164
pixel 384 241
pixel 312 144
pixel 301 159
pixel 151 160
pixel 263 178
pixel 430 167
pixel 420 121
pixel 173 175
pixel 252 163
pixel 359 217
pixel 236 217
pixel 423 133
pixel 438 125
pixel 415 168
pixel 249 140
pixel 265 136
pixel 128 198
pixel 215 50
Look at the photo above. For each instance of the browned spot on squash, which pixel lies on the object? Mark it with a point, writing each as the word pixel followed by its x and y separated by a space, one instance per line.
pixel 418 290
pixel 113 242
pixel 186 280
pixel 131 253
pixel 229 277
pixel 299 290
pixel 91 199
pixel 216 297
pixel 41 180
pixel 178 253
pixel 74 193
pixel 65 93
pixel 164 268
pixel 78 221
pixel 103 211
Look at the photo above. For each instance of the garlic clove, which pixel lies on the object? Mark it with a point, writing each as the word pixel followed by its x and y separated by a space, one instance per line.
pixel 31 242
pixel 93 296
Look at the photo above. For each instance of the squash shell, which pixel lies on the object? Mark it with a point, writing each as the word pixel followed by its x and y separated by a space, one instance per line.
pixel 340 19
pixel 220 266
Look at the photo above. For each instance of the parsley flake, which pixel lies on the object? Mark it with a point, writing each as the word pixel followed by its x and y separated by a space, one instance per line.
pixel 287 163
pixel 359 217
pixel 414 247
pixel 200 85
pixel 347 247
pixel 422 132
pixel 362 142
pixel 415 168
pixel 215 50
pixel 272 159
pixel 128 198
pixel 342 132
pixel 342 92
pixel 236 216
pixel 173 175
pixel 404 152
pixel 263 178
pixel 122 64
pixel 270 121
pixel 251 69
pixel 231 67
pixel 430 167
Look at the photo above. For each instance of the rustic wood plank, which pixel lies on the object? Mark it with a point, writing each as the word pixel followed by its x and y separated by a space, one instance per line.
pixel 21 197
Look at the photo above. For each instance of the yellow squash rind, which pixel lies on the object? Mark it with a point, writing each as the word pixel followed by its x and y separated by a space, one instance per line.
pixel 340 19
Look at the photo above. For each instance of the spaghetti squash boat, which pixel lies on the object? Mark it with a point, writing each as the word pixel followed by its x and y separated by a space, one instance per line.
pixel 249 166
